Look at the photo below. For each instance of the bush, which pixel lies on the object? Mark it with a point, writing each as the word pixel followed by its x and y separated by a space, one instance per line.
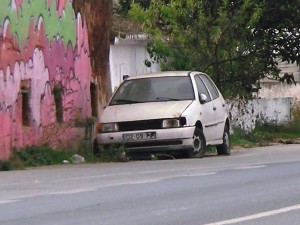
pixel 39 156
pixel 112 153
pixel 296 117
pixel 266 132
pixel 5 165
pixel 32 156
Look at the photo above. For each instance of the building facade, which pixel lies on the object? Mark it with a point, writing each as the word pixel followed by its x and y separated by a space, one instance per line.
pixel 44 74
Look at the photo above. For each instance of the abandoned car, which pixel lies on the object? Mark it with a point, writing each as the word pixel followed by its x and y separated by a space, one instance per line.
pixel 176 111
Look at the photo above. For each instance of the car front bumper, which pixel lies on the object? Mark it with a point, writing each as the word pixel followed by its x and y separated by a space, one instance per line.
pixel 173 139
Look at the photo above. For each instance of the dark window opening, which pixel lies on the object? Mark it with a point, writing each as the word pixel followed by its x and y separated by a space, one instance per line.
pixel 26 112
pixel 25 104
pixel 57 92
pixel 94 101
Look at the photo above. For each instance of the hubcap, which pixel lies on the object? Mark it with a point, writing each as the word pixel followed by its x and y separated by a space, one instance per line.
pixel 197 144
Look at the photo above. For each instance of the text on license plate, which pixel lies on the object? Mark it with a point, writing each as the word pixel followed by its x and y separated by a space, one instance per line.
pixel 139 136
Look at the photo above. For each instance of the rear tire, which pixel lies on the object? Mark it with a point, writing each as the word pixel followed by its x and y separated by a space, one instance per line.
pixel 224 149
pixel 199 145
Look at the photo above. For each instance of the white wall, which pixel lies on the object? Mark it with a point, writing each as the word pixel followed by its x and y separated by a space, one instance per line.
pixel 276 89
pixel 279 90
pixel 245 114
pixel 127 57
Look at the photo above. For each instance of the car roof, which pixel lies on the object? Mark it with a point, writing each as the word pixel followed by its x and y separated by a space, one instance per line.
pixel 165 74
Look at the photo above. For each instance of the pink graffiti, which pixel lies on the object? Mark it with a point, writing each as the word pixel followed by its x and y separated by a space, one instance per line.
pixel 44 63
pixel 18 3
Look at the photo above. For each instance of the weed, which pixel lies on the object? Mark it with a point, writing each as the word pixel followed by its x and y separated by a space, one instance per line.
pixel 38 156
pixel 211 149
pixel 266 132
pixel 113 153
pixel 32 156
pixel 5 166
pixel 296 118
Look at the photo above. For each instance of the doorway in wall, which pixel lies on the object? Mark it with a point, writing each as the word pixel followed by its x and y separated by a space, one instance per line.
pixel 25 98
pixel 94 99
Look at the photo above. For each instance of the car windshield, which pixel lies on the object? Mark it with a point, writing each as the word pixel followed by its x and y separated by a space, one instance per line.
pixel 154 89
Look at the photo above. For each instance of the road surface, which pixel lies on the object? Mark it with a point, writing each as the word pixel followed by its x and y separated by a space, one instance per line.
pixel 252 186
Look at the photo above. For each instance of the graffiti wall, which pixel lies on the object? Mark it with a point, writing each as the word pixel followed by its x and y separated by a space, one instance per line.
pixel 44 73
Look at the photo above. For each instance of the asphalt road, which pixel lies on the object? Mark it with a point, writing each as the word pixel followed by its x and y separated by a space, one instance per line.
pixel 252 186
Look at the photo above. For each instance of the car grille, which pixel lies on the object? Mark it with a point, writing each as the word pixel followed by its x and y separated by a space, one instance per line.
pixel 152 143
pixel 140 125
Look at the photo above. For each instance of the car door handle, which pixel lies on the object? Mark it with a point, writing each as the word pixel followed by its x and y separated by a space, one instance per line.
pixel 214 108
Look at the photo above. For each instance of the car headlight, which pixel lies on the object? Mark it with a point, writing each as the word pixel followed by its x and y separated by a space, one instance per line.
pixel 109 127
pixel 171 123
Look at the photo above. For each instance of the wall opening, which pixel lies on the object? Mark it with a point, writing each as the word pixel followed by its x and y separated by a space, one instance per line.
pixel 26 110
pixel 94 99
pixel 57 92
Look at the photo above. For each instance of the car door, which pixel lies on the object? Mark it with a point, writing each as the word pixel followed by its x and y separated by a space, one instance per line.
pixel 218 106
pixel 208 117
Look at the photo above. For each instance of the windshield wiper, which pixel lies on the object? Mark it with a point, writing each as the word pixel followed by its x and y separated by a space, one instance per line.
pixel 124 101
pixel 167 99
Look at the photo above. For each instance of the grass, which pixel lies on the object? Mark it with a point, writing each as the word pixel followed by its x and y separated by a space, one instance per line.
pixel 112 153
pixel 264 134
pixel 32 156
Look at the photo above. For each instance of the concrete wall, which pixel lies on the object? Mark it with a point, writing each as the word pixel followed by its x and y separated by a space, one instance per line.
pixel 127 57
pixel 274 104
pixel 275 89
pixel 42 44
pixel 245 114
pixel 279 90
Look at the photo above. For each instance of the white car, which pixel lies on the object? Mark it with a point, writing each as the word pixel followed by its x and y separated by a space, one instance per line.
pixel 166 112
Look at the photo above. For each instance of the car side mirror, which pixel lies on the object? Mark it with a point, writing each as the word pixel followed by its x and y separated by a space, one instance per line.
pixel 203 98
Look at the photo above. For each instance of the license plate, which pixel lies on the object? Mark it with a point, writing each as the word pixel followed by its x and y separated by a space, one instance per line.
pixel 139 136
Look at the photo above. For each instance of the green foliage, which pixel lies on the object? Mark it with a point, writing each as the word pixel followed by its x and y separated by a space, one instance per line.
pixel 39 156
pixel 112 153
pixel 296 117
pixel 125 5
pixel 266 132
pixel 5 165
pixel 237 43
pixel 32 156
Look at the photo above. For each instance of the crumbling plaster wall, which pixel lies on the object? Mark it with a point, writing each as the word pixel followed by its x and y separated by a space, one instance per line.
pixel 246 113
pixel 271 90
pixel 42 44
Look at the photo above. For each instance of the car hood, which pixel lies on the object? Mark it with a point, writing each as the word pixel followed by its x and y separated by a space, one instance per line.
pixel 144 111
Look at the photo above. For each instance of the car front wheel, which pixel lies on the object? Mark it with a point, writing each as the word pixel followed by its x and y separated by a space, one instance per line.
pixel 199 145
pixel 224 148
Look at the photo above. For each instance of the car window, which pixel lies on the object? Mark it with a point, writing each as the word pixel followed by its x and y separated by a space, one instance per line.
pixel 154 89
pixel 211 86
pixel 202 89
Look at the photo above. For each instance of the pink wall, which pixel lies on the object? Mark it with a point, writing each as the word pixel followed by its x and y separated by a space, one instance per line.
pixel 44 61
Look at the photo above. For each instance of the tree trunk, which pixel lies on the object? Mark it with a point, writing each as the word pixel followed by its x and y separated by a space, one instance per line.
pixel 98 16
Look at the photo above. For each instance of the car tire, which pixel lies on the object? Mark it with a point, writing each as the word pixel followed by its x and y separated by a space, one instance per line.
pixel 199 145
pixel 224 148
